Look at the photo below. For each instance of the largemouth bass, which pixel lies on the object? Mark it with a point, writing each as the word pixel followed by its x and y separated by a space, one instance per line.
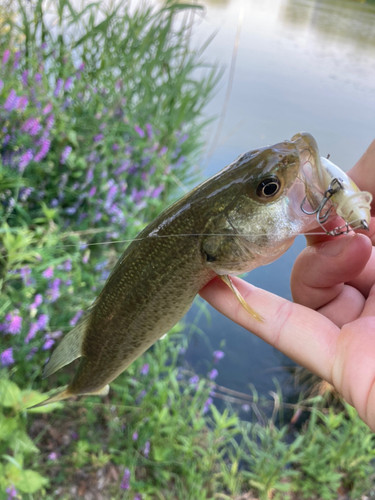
pixel 245 216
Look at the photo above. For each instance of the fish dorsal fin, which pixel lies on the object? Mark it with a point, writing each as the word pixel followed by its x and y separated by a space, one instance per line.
pixel 69 349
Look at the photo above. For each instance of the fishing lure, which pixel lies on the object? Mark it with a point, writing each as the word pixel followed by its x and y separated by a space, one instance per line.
pixel 344 197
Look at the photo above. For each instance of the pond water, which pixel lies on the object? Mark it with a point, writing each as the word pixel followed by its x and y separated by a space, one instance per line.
pixel 299 65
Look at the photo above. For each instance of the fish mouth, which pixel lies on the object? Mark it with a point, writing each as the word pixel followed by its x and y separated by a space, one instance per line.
pixel 310 172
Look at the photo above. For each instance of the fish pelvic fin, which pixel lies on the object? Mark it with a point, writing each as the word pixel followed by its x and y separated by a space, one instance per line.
pixel 227 280
pixel 69 349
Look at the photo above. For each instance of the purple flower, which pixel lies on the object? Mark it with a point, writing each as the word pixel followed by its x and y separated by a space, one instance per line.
pixel 32 332
pixel 207 405
pixel 149 130
pixel 31 354
pixel 58 87
pixel 54 291
pixel 6 56
pixel 142 394
pixel 183 138
pixel 68 84
pixel 125 483
pixel 246 408
pixel 12 492
pixel 48 273
pixel 115 147
pixel 14 323
pixel 156 192
pixel 25 275
pixel 17 57
pixel 47 108
pixel 218 355
pixel 67 266
pixel 145 369
pixel 98 137
pixel 37 301
pixel 42 321
pixel 22 103
pixel 6 357
pixel 135 436
pixel 43 150
pixel 90 176
pixel 38 77
pixel 139 131
pixel 11 101
pixel 213 374
pixel 25 160
pixel 146 450
pixel 25 77
pixel 29 124
pixel 65 154
pixel 35 128
pixel 92 192
pixel 81 66
pixel 50 122
pixel 194 380
pixel 48 344
pixel 1 85
pixel 137 496
pixel 163 150
pixel 25 193
pixel 75 318
pixel 53 456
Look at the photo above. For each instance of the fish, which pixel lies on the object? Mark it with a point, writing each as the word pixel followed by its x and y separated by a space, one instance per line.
pixel 245 216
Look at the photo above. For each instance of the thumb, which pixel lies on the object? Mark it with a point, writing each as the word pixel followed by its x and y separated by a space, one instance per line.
pixel 321 270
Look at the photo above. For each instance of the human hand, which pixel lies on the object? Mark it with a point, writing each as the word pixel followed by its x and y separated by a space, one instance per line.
pixel 330 327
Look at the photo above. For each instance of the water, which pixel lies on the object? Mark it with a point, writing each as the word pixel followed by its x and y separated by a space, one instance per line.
pixel 301 65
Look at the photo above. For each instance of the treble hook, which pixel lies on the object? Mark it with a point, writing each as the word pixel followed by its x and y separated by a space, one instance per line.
pixel 334 187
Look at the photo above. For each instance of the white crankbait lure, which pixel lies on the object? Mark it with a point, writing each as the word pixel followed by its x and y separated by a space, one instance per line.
pixel 344 196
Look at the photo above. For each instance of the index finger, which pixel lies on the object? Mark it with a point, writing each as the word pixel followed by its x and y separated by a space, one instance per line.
pixel 363 172
pixel 300 333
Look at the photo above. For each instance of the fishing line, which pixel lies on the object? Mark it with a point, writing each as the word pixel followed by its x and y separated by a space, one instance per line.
pixel 186 235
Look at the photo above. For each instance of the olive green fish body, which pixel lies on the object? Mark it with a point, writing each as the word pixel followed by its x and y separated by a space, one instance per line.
pixel 239 219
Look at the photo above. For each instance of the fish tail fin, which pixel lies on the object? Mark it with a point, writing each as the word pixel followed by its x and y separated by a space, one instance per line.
pixel 239 297
pixel 60 396
pixel 69 349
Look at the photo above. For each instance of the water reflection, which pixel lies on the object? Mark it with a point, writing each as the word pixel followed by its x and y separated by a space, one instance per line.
pixel 218 3
pixel 335 21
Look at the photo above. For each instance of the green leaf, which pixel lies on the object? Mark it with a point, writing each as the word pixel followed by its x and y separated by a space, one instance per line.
pixel 30 481
pixel 7 427
pixel 10 393
pixel 21 442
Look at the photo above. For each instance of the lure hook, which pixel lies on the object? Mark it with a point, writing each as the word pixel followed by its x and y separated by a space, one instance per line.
pixel 334 187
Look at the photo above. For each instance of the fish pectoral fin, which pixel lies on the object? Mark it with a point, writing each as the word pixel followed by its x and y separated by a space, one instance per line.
pixel 69 349
pixel 227 280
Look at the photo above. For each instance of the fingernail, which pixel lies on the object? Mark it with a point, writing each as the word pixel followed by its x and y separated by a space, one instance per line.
pixel 334 248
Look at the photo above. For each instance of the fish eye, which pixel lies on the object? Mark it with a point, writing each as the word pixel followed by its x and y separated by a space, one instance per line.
pixel 268 187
